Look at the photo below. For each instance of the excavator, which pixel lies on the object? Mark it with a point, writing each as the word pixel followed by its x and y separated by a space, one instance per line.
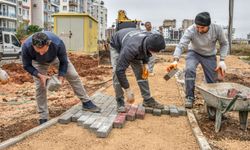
pixel 122 22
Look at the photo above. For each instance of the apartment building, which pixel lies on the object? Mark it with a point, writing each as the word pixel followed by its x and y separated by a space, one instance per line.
pixel 99 12
pixel 72 6
pixel 24 12
pixel 8 15
pixel 42 11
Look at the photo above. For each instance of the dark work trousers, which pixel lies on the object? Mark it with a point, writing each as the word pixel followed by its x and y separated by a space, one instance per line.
pixel 208 64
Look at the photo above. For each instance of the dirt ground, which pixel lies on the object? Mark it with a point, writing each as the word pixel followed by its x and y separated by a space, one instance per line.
pixel 17 98
pixel 158 133
pixel 154 132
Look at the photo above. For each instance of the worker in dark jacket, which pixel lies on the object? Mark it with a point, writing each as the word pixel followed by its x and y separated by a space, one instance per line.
pixel 39 52
pixel 133 47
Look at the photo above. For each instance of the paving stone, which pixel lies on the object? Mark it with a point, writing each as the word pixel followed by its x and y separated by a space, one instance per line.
pixel 127 107
pixel 91 120
pixel 108 110
pixel 106 127
pixel 173 111
pixel 119 120
pixel 131 113
pixel 156 112
pixel 165 110
pixel 97 124
pixel 66 118
pixel 84 117
pixel 149 110
pixel 140 113
pixel 182 111
pixel 76 116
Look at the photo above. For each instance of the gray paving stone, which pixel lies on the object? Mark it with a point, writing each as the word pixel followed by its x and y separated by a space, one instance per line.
pixel 91 120
pixel 97 124
pixel 149 110
pixel 166 110
pixel 83 118
pixel 106 127
pixel 156 112
pixel 76 116
pixel 174 111
pixel 182 111
pixel 66 118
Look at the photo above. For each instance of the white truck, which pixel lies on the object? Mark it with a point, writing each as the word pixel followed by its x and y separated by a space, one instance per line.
pixel 9 45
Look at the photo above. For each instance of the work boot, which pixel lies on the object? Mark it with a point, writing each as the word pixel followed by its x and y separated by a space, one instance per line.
pixel 41 121
pixel 120 105
pixel 90 106
pixel 189 102
pixel 151 102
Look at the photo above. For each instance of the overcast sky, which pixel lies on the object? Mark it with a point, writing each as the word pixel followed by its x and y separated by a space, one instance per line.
pixel 158 10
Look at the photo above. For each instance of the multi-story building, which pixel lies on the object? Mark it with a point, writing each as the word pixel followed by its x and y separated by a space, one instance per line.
pixel 24 12
pixel 8 15
pixel 99 12
pixel 72 6
pixel 186 23
pixel 42 11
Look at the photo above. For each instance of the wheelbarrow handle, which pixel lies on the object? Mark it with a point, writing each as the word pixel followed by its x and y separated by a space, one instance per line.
pixel 229 106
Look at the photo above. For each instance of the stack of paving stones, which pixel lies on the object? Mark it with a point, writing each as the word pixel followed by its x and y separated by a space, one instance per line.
pixel 102 123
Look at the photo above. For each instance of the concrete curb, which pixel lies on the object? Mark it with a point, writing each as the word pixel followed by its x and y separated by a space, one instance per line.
pixel 200 138
pixel 14 140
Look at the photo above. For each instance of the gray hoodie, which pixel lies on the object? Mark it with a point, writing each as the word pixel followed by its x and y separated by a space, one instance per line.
pixel 203 44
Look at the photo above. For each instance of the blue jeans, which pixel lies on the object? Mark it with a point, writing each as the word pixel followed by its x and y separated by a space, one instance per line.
pixel 208 64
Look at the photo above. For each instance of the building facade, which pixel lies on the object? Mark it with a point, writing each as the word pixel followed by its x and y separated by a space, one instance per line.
pixel 99 12
pixel 42 11
pixel 8 15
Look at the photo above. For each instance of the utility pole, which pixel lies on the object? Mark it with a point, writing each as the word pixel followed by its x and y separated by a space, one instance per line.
pixel 230 24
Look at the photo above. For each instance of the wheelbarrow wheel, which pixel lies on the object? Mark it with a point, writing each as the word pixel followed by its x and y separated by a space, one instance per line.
pixel 211 111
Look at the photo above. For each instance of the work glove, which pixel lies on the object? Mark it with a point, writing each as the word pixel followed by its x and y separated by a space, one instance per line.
pixel 145 72
pixel 4 77
pixel 130 96
pixel 173 65
pixel 221 69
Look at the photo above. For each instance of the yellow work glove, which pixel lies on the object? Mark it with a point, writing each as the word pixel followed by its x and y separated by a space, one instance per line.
pixel 173 65
pixel 145 72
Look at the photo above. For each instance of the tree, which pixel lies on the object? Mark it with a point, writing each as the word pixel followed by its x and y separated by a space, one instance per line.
pixel 21 32
pixel 33 28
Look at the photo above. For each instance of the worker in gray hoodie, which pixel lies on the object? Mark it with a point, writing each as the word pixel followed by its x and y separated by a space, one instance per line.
pixel 133 47
pixel 200 39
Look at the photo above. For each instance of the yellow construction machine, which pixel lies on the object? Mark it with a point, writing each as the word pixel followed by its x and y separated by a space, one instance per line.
pixel 122 22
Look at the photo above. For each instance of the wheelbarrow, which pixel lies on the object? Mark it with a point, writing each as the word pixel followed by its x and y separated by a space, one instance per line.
pixel 218 103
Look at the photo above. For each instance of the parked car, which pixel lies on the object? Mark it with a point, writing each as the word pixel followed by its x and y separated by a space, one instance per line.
pixel 9 45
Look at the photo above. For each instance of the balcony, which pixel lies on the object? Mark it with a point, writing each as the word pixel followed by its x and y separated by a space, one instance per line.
pixel 73 3
pixel 10 2
pixel 55 2
pixel 8 16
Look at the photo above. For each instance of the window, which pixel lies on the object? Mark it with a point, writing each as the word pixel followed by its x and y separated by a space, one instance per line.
pixel 20 11
pixel 64 0
pixel 6 38
pixel 15 41
pixel 64 8
pixel 1 38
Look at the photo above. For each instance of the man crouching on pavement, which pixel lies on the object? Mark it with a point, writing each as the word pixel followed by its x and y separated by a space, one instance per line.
pixel 39 52
pixel 133 47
